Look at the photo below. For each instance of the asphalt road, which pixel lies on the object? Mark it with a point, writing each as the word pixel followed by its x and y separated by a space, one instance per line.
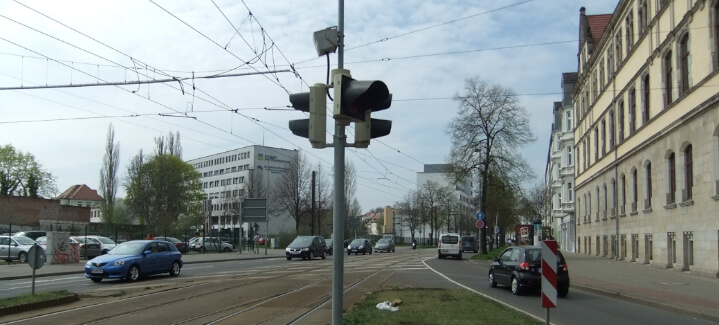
pixel 277 291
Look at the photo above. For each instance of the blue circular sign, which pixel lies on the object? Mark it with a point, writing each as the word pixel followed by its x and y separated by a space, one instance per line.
pixel 480 215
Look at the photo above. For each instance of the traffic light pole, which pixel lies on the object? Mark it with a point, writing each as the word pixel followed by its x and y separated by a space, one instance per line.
pixel 338 219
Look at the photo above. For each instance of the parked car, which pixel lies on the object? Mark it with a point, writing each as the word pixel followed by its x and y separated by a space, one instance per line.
pixel 30 234
pixel 134 259
pixel 181 245
pixel 86 246
pixel 106 244
pixel 42 241
pixel 469 243
pixel 328 246
pixel 449 244
pixel 384 245
pixel 359 245
pixel 519 267
pixel 306 247
pixel 15 248
pixel 211 244
pixel 347 242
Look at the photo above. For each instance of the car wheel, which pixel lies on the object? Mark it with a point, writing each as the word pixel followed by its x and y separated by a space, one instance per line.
pixel 460 256
pixel 226 250
pixel 370 252
pixel 348 253
pixel 324 255
pixel 289 258
pixel 133 274
pixel 202 250
pixel 563 291
pixel 515 286
pixel 439 256
pixel 312 255
pixel 105 252
pixel 475 251
pixel 492 282
pixel 175 270
pixel 22 257
pixel 96 280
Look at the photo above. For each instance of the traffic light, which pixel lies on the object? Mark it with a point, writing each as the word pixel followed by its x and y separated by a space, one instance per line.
pixel 369 129
pixel 354 98
pixel 313 102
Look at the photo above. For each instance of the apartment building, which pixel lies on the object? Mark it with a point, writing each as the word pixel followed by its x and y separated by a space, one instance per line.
pixel 462 190
pixel 226 177
pixel 559 173
pixel 647 134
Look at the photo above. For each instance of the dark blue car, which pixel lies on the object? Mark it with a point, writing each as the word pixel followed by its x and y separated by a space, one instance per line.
pixel 134 259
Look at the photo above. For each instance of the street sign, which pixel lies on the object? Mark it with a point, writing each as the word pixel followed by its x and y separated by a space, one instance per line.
pixel 36 257
pixel 479 215
pixel 480 224
pixel 496 229
pixel 549 274
pixel 254 210
pixel 353 223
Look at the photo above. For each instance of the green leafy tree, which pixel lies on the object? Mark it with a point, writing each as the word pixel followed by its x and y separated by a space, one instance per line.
pixel 22 175
pixel 164 189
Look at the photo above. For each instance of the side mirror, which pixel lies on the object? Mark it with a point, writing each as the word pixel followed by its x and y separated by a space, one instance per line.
pixel 147 252
pixel 495 259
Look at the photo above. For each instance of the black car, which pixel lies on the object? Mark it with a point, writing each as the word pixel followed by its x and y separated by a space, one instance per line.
pixel 306 247
pixel 469 243
pixel 328 246
pixel 359 245
pixel 181 245
pixel 520 268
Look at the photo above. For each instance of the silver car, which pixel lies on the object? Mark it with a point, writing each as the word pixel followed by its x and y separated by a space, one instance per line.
pixel 15 248
pixel 106 244
pixel 211 244
pixel 89 248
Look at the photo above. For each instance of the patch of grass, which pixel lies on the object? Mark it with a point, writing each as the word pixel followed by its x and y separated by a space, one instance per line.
pixel 119 294
pixel 490 255
pixel 29 298
pixel 434 306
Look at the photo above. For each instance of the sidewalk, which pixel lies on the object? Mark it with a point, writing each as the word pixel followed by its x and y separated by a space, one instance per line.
pixel 18 270
pixel 667 289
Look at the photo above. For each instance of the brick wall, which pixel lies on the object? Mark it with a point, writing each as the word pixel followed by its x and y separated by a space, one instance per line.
pixel 32 212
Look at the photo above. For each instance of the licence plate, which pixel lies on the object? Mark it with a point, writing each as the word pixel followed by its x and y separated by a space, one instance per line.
pixel 97 271
pixel 445 251
pixel 295 253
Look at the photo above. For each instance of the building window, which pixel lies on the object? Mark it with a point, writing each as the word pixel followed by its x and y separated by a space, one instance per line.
pixel 715 10
pixel 568 121
pixel 648 170
pixel 642 14
pixel 601 73
pixel 610 62
pixel 620 122
pixel 569 192
pixel 671 198
pixel 688 172
pixel 634 190
pixel 632 110
pixel 668 78
pixel 570 162
pixel 684 64
pixel 624 194
pixel 618 48
pixel 604 136
pixel 596 216
pixel 606 205
pixel 611 130
pixel 596 144
pixel 645 99
pixel 630 31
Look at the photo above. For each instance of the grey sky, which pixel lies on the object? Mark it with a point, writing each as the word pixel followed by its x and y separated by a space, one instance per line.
pixel 423 51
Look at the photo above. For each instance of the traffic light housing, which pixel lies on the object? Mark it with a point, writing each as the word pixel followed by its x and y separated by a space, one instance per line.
pixel 353 98
pixel 369 129
pixel 314 102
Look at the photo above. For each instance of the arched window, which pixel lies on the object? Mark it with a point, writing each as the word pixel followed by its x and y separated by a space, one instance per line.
pixel 611 129
pixel 634 190
pixel 624 194
pixel 596 216
pixel 645 99
pixel 643 12
pixel 667 78
pixel 688 172
pixel 620 121
pixel 630 31
pixel 648 171
pixel 632 110
pixel 671 166
pixel 684 64
pixel 606 205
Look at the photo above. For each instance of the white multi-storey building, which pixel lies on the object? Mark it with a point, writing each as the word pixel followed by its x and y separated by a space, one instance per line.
pixel 559 175
pixel 225 177
pixel 462 190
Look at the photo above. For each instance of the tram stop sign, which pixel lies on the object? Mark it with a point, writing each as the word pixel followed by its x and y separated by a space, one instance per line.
pixel 36 257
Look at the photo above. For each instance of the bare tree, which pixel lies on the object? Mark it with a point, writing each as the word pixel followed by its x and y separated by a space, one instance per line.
pixel 352 207
pixel 410 208
pixel 292 193
pixel 108 178
pixel 169 146
pixel 324 198
pixel 255 186
pixel 433 196
pixel 490 127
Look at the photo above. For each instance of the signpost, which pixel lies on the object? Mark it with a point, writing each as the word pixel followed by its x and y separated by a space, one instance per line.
pixel 549 276
pixel 36 259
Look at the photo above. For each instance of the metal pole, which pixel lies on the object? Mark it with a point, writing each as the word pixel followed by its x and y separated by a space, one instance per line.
pixel 339 205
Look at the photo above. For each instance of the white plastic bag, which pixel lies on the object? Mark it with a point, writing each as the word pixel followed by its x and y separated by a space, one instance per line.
pixel 386 306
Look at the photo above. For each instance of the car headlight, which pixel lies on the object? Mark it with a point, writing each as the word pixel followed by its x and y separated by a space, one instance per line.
pixel 361 247
pixel 287 249
pixel 88 264
pixel 305 249
pixel 118 263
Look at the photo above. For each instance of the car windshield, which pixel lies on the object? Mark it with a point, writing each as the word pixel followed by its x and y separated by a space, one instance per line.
pixel 22 240
pixel 328 241
pixel 384 241
pixel 358 242
pixel 104 240
pixel 128 248
pixel 305 240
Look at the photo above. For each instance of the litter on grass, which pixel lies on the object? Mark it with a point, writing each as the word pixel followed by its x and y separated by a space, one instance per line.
pixel 386 306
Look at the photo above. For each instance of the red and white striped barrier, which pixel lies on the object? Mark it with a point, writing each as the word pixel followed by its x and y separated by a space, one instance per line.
pixel 549 274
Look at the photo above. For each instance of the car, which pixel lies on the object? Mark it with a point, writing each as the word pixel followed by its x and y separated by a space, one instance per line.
pixel 30 234
pixel 449 244
pixel 384 245
pixel 181 245
pixel 469 243
pixel 15 248
pixel 86 246
pixel 134 259
pixel 519 267
pixel 328 246
pixel 211 244
pixel 347 242
pixel 106 244
pixel 306 247
pixel 359 245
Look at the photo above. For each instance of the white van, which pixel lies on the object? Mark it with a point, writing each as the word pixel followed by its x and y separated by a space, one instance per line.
pixel 449 244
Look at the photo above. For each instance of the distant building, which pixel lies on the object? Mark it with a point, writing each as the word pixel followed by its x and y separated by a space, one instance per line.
pixel 225 177
pixel 83 196
pixel 19 213
pixel 462 190
pixel 559 175
pixel 647 135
